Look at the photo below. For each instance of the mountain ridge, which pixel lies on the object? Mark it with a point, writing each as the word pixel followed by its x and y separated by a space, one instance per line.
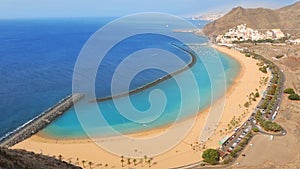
pixel 286 18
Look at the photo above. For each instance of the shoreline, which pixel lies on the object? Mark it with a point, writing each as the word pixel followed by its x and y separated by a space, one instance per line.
pixel 151 131
pixel 182 153
pixel 237 83
pixel 39 122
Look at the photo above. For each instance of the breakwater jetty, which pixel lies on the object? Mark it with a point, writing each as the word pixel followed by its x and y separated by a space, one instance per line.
pixel 151 84
pixel 41 121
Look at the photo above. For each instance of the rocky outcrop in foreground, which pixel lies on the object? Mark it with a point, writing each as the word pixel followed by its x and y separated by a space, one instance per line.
pixel 19 159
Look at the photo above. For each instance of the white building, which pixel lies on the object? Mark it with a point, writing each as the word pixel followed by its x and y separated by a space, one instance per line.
pixel 296 41
pixel 243 33
pixel 278 34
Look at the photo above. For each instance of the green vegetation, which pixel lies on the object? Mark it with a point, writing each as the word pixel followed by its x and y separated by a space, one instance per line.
pixel 246 139
pixel 264 81
pixel 292 94
pixel 289 91
pixel 265 41
pixel 272 90
pixel 235 151
pixel 281 40
pixel 271 126
pixel 247 104
pixel 263 69
pixel 241 145
pixel 234 122
pixel 266 124
pixel 252 97
pixel 256 41
pixel 255 129
pixel 279 56
pixel 259 118
pixel 247 54
pixel 227 161
pixel 265 104
pixel 294 97
pixel 275 78
pixel 211 156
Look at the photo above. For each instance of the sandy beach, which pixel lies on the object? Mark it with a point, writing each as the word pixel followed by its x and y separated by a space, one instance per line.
pixel 189 150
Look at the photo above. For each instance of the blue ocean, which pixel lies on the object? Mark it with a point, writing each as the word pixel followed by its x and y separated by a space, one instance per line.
pixel 37 60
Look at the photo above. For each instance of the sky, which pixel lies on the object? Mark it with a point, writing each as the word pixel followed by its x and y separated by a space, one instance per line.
pixel 97 8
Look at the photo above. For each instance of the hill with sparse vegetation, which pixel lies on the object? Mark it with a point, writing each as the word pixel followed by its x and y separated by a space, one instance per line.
pixel 287 19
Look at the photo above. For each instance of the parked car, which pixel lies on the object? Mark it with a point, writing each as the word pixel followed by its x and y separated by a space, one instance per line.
pixel 236 129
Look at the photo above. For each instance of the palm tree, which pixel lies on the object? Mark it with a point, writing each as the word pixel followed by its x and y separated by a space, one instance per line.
pixel 60 157
pixel 145 158
pixel 122 161
pixel 134 161
pixel 128 161
pixel 83 161
pixel 77 159
pixel 141 161
pixel 149 162
pixel 90 164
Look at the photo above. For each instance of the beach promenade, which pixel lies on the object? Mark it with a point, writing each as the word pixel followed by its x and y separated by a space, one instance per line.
pixel 38 123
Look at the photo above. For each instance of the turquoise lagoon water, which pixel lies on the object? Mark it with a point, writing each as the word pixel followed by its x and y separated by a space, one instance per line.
pixel 68 126
pixel 37 58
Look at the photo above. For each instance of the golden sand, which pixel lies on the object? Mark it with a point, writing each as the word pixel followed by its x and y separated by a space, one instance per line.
pixel 75 151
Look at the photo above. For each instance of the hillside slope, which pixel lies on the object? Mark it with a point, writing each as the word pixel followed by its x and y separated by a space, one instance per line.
pixel 287 19
pixel 19 159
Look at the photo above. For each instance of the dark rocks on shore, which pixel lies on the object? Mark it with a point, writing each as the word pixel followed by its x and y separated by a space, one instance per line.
pixel 41 121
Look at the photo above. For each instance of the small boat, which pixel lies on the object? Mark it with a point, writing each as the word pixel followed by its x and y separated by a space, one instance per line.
pixel 167 26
